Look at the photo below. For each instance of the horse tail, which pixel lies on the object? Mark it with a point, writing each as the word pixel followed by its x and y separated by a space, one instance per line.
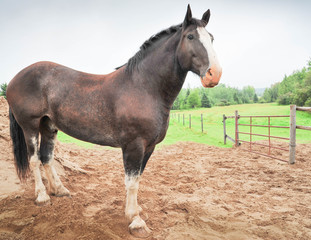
pixel 19 148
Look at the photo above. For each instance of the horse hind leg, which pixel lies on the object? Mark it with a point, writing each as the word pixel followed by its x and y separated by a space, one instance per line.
pixel 31 139
pixel 48 134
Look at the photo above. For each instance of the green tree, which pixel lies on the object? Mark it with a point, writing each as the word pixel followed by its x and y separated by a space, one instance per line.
pixel 274 91
pixel 296 88
pixel 237 98
pixel 185 102
pixel 245 98
pixel 255 99
pixel 3 88
pixel 205 102
pixel 193 100
pixel 209 103
pixel 221 94
pixel 308 102
pixel 293 82
pixel 187 94
pixel 271 94
pixel 302 96
pixel 177 102
pixel 248 93
pixel 285 99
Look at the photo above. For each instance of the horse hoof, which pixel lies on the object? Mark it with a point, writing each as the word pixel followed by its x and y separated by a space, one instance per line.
pixel 142 232
pixel 62 192
pixel 40 204
pixel 139 229
pixel 42 199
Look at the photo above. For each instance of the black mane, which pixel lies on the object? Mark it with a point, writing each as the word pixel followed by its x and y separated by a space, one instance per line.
pixel 140 55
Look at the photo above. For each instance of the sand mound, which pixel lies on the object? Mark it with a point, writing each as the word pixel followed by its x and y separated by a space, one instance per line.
pixel 188 191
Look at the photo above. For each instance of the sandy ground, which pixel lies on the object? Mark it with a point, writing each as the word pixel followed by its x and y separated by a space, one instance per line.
pixel 188 191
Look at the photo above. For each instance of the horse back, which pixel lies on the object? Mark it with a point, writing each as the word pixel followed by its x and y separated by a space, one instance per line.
pixel 73 100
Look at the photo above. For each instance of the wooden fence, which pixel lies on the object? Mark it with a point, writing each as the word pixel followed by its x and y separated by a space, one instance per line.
pixel 292 138
pixel 183 117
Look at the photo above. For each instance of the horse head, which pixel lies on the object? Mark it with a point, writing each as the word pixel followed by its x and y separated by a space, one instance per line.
pixel 195 50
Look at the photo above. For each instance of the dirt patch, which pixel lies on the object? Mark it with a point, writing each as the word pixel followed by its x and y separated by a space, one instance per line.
pixel 188 191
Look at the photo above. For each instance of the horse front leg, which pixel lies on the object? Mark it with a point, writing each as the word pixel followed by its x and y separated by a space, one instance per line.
pixel 133 156
pixel 137 225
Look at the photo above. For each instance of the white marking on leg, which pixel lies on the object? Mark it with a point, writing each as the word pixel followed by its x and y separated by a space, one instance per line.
pixel 40 190
pixel 56 186
pixel 131 185
pixel 206 40
pixel 137 226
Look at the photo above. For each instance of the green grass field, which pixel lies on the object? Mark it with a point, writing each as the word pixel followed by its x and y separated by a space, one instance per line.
pixel 213 127
pixel 62 137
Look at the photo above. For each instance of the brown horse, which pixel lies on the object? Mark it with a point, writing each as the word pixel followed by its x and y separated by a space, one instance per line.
pixel 128 108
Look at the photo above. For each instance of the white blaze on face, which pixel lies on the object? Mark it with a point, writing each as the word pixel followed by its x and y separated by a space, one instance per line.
pixel 206 40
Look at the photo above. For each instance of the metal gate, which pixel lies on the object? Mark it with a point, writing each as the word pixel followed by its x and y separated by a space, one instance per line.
pixel 291 139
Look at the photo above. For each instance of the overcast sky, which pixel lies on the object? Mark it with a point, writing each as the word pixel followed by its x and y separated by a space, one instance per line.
pixel 257 42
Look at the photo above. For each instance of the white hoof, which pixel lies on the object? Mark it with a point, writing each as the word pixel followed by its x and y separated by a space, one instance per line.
pixel 138 228
pixel 42 198
pixel 61 191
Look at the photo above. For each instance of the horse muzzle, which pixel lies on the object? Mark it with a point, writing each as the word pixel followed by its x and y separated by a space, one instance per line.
pixel 211 77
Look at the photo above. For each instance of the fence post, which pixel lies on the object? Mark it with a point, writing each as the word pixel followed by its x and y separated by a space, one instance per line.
pixel 237 128
pixel 224 123
pixel 190 121
pixel 183 119
pixel 292 141
pixel 178 117
pixel 202 122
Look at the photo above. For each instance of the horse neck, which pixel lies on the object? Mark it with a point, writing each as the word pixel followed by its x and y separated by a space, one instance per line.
pixel 166 75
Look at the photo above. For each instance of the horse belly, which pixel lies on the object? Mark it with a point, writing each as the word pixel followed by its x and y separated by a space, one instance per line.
pixel 86 125
pixel 94 135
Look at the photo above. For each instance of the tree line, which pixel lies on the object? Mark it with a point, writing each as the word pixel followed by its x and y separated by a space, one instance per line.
pixel 222 95
pixel 293 89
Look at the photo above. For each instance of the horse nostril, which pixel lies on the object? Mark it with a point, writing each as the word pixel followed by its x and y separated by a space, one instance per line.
pixel 210 72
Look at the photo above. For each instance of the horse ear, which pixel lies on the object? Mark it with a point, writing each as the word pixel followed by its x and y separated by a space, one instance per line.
pixel 206 16
pixel 188 17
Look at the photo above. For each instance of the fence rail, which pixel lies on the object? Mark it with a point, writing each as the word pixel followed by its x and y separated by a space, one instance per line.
pixel 254 125
pixel 292 129
pixel 262 135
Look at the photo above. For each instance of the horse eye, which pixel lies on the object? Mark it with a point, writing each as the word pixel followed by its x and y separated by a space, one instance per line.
pixel 190 36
